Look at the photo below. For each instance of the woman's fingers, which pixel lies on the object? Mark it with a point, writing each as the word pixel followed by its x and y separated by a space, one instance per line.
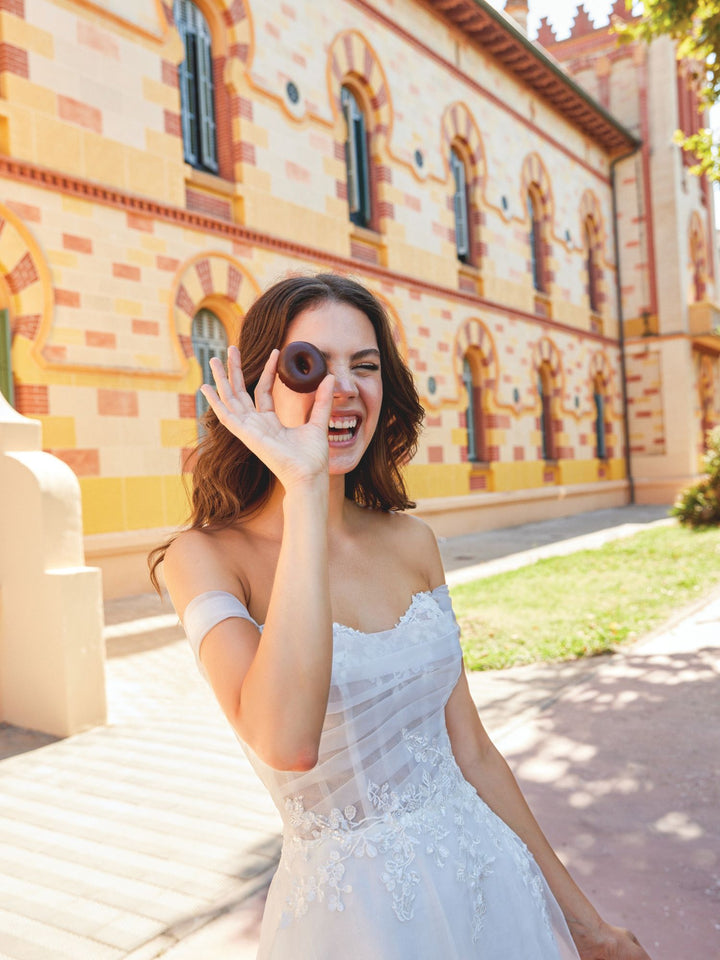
pixel 235 374
pixel 263 391
pixel 322 406
pixel 222 383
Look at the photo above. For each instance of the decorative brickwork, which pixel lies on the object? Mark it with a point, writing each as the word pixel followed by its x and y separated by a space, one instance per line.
pixel 14 60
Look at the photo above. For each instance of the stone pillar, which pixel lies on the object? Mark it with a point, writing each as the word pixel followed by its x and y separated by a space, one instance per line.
pixel 52 655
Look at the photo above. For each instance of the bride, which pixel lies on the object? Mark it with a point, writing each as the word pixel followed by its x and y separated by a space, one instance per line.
pixel 318 613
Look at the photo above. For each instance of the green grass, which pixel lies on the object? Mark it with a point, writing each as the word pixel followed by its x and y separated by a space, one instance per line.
pixel 586 603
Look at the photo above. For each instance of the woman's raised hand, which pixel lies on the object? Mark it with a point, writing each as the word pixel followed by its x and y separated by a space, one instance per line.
pixel 295 455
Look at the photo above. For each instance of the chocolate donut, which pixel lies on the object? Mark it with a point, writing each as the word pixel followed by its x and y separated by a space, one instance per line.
pixel 301 367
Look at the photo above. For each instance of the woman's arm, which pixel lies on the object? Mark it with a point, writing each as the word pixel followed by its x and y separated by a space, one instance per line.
pixel 484 767
pixel 273 686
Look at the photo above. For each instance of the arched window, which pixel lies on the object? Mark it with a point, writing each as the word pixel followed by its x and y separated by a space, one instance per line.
pixel 536 242
pixel 475 419
pixel 460 206
pixel 545 391
pixel 209 339
pixel 357 160
pixel 593 277
pixel 6 378
pixel 197 89
pixel 600 424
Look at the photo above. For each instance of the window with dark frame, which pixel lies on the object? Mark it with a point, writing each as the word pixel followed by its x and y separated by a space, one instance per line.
pixel 197 88
pixel 600 428
pixel 536 260
pixel 460 206
pixel 477 448
pixel 209 340
pixel 592 266
pixel 356 160
pixel 544 385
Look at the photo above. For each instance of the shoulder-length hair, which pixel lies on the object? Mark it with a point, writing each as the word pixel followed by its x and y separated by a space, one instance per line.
pixel 229 483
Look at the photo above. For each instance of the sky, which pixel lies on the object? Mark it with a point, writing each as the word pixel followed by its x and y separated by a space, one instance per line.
pixel 561 14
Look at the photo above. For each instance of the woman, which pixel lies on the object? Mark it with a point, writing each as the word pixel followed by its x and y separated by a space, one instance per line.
pixel 405 833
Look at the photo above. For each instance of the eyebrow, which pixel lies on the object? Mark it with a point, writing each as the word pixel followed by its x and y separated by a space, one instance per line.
pixel 360 355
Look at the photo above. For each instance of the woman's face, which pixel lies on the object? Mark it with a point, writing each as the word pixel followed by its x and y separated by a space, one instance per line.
pixel 346 338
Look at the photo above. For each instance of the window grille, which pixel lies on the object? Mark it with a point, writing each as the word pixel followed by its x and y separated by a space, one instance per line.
pixel 209 340
pixel 356 160
pixel 592 268
pixel 600 423
pixel 470 415
pixel 546 428
pixel 535 243
pixel 197 89
pixel 460 206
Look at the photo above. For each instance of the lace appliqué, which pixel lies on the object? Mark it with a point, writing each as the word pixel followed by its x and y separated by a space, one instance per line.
pixel 437 815
pixel 348 652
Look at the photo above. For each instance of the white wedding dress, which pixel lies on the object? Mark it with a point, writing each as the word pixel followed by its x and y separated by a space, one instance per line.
pixel 388 852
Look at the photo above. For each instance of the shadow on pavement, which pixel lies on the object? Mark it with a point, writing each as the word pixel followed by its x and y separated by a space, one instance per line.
pixel 16 740
pixel 622 772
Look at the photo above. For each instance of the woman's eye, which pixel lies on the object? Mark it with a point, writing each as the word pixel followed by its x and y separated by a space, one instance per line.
pixel 367 366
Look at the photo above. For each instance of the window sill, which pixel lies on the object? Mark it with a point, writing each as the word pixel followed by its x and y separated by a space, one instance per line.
pixel 542 304
pixel 470 279
pixel 367 245
pixel 213 195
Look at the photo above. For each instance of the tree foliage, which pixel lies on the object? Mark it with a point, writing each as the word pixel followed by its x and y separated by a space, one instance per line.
pixel 699 505
pixel 695 26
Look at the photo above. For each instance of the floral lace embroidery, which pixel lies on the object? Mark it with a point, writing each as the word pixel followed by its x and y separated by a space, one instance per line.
pixel 348 653
pixel 420 817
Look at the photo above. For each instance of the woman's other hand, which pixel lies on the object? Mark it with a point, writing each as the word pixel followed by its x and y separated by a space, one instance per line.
pixel 295 455
pixel 606 942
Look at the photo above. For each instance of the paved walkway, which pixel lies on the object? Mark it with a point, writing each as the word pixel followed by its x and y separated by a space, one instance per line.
pixel 151 837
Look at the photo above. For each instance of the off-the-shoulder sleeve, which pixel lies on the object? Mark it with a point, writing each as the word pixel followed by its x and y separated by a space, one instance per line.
pixel 207 610
pixel 441 595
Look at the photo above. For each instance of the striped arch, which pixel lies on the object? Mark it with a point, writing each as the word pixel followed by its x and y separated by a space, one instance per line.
pixel 237 31
pixel 459 124
pixel 534 175
pixel 600 366
pixel 474 333
pixel 590 207
pixel 545 351
pixel 207 279
pixel 352 58
pixel 25 280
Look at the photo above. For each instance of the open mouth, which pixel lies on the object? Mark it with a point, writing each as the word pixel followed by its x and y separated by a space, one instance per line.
pixel 343 429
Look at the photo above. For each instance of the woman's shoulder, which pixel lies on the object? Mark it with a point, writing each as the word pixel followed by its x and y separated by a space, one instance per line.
pixel 412 541
pixel 197 561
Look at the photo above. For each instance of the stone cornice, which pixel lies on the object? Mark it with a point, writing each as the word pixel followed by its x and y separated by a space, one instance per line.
pixel 499 36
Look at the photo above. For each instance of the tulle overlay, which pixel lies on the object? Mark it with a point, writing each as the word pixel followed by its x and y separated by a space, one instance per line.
pixel 388 852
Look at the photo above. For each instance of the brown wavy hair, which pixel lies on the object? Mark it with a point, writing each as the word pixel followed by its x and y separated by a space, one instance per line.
pixel 230 483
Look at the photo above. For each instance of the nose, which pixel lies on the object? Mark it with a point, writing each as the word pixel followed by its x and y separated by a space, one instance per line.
pixel 344 381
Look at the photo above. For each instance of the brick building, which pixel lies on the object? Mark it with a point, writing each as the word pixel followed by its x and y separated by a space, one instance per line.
pixel 161 163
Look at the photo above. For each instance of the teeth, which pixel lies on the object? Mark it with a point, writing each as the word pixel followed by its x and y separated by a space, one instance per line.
pixel 343 423
pixel 340 437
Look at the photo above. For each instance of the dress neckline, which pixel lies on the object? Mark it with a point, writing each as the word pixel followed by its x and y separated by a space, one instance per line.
pixel 376 633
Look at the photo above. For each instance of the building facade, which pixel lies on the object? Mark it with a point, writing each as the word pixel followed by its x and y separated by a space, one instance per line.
pixel 162 163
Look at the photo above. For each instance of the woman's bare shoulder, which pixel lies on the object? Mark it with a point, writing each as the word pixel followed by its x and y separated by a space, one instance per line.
pixel 415 542
pixel 197 561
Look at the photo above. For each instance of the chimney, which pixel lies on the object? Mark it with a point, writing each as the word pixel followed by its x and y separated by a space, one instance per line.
pixel 518 10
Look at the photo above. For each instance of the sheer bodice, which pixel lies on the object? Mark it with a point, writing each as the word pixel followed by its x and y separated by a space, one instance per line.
pixel 388 851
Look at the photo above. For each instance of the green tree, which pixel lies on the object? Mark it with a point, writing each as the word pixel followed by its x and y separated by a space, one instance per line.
pixel 695 25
